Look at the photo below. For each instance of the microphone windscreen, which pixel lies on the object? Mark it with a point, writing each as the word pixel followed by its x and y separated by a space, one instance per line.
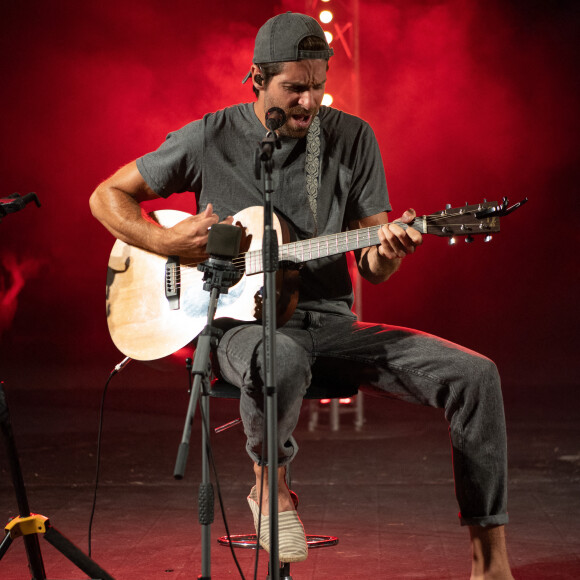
pixel 275 118
pixel 224 241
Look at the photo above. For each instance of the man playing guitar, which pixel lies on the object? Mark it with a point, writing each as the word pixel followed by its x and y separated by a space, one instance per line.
pixel 328 179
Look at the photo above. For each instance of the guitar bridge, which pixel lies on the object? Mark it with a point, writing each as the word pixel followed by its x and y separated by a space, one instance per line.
pixel 172 282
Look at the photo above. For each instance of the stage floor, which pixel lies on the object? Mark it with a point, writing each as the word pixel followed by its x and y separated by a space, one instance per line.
pixel 385 490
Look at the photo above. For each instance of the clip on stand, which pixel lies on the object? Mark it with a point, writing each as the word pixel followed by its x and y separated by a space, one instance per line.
pixel 29 525
pixel 275 118
pixel 219 275
pixel 16 202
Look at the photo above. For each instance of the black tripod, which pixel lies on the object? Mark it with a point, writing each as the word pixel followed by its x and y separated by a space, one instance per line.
pixel 29 525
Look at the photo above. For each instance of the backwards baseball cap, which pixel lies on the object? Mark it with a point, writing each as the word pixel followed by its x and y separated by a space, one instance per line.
pixel 279 37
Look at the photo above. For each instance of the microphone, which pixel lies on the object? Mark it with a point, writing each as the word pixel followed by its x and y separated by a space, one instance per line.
pixel 223 245
pixel 223 241
pixel 275 118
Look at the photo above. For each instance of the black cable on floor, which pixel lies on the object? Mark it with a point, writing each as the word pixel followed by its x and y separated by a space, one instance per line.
pixel 115 371
pixel 118 368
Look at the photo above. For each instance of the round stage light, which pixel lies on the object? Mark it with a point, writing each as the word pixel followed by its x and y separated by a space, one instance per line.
pixel 327 99
pixel 326 16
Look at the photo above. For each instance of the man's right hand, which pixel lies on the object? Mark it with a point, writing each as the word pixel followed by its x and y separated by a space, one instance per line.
pixel 188 238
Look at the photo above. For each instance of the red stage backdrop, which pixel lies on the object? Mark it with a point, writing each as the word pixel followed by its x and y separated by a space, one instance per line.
pixel 469 100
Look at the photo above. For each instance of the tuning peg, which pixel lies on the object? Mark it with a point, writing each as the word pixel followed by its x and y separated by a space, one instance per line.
pixel 488 238
pixel 469 239
pixel 452 241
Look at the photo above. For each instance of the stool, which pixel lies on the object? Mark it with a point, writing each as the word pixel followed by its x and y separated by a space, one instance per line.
pixel 318 389
pixel 335 408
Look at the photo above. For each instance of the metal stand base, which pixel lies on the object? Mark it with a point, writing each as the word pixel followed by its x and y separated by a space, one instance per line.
pixel 250 541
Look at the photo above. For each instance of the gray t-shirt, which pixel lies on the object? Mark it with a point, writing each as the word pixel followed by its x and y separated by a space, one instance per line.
pixel 215 158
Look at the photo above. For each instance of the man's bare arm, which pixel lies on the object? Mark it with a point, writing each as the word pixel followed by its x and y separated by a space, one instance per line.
pixel 115 203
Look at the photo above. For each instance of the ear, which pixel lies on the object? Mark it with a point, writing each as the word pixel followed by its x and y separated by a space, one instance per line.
pixel 257 78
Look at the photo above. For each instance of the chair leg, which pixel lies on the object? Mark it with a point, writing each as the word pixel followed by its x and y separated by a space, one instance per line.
pixel 334 415
pixel 313 420
pixel 359 412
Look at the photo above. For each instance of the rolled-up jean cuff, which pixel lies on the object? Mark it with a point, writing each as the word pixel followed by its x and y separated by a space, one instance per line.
pixel 291 448
pixel 485 521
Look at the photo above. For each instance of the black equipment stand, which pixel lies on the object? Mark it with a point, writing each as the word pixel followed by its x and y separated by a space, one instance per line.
pixel 29 525
pixel 275 118
pixel 219 275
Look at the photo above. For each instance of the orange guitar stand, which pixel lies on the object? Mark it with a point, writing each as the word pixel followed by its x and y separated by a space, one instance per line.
pixel 29 526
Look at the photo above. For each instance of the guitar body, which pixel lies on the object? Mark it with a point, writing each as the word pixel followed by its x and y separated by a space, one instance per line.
pixel 145 324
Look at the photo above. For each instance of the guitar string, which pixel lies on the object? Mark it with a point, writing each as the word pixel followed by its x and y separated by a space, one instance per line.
pixel 340 240
pixel 305 254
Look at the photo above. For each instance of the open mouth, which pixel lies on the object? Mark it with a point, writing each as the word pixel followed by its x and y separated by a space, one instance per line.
pixel 302 120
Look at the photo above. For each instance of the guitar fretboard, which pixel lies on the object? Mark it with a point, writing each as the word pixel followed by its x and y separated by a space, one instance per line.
pixel 314 248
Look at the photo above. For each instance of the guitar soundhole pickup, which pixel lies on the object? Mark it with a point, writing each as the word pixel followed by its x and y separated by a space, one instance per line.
pixel 173 282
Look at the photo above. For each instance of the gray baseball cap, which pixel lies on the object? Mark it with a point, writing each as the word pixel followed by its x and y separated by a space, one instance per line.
pixel 279 37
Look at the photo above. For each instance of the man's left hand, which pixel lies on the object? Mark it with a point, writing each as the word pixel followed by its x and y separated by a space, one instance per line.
pixel 397 242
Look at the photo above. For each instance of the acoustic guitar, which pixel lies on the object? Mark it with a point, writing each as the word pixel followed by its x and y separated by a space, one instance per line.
pixel 157 305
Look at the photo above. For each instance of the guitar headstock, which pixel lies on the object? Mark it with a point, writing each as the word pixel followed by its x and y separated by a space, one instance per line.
pixel 469 220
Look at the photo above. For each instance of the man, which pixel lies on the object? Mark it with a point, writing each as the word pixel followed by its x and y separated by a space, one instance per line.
pixel 328 177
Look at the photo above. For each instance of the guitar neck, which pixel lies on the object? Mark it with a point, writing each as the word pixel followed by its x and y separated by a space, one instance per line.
pixel 469 220
pixel 324 246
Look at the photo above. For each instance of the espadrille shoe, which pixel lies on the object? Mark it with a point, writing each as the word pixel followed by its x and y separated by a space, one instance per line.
pixel 292 546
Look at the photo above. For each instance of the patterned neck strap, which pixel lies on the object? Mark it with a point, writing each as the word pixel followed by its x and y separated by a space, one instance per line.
pixel 313 166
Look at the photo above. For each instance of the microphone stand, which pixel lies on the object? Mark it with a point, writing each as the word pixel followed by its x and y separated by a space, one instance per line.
pixel 219 275
pixel 270 266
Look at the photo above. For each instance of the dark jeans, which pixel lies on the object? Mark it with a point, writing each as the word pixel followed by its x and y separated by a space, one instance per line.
pixel 394 361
